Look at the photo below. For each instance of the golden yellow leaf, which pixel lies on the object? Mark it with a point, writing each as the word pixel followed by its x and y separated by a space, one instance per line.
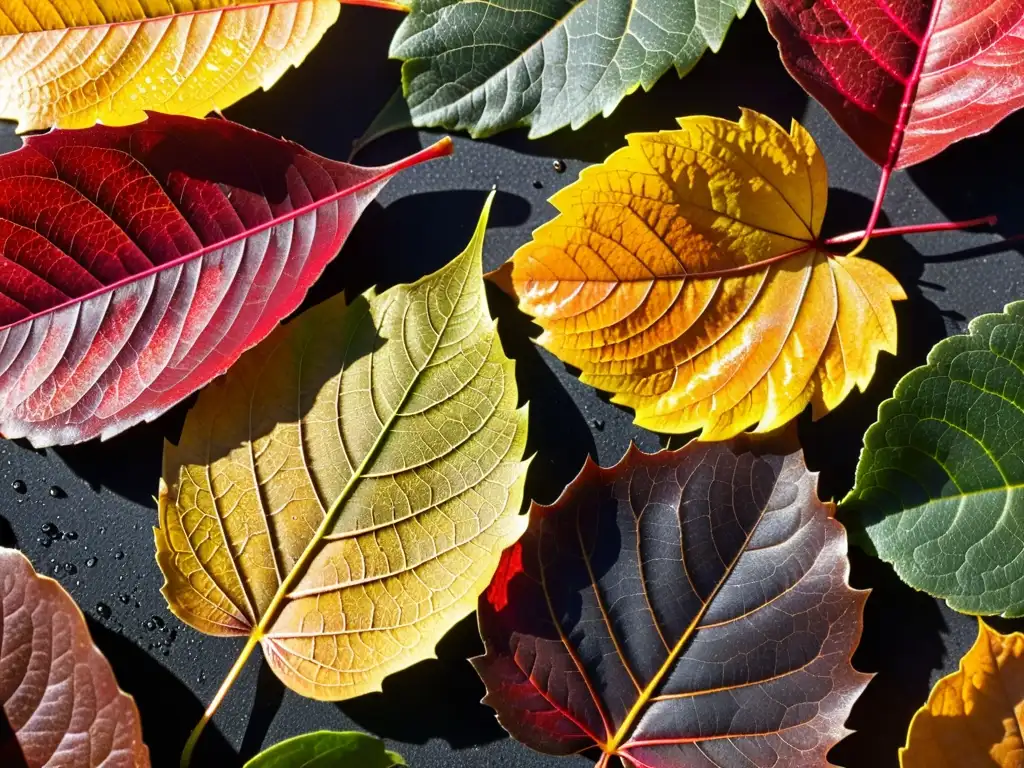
pixel 974 716
pixel 73 63
pixel 687 276
pixel 343 495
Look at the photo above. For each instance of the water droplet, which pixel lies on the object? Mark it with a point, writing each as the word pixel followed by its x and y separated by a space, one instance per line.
pixel 538 184
pixel 91 562
pixel 71 535
pixel 119 555
pixel 166 652
pixel 103 529
pixel 57 492
pixel 559 166
pixel 44 541
pixel 598 424
pixel 172 636
pixel 70 568
pixel 104 610
pixel 58 569
pixel 157 622
pixel 50 530
pixel 124 598
pixel 149 624
pixel 19 486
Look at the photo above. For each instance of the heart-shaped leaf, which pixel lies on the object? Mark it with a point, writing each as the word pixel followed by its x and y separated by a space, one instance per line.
pixel 686 608
pixel 343 495
pixel 328 749
pixel 58 694
pixel 938 489
pixel 485 67
pixel 905 80
pixel 687 276
pixel 973 716
pixel 75 64
pixel 140 262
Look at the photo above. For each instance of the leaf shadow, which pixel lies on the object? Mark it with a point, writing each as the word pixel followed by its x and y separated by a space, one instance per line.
pixel 11 755
pixel 156 690
pixel 7 536
pixel 266 702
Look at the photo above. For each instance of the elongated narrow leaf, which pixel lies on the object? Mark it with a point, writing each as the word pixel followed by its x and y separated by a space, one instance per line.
pixel 328 749
pixel 973 716
pixel 485 67
pixel 57 692
pixel 136 264
pixel 685 275
pixel 905 80
pixel 343 495
pixel 939 481
pixel 72 64
pixel 686 608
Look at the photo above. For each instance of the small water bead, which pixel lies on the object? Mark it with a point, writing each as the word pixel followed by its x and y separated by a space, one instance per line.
pixel 57 492
pixel 559 166
pixel 149 624
pixel 19 486
pixel 104 610
pixel 70 568
pixel 71 535
pixel 157 622
pixel 598 424
pixel 119 555
pixel 91 562
pixel 51 530
pixel 44 541
pixel 125 598
pixel 538 184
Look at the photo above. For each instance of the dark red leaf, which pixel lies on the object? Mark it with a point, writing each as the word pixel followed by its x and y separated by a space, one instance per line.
pixel 138 263
pixel 57 692
pixel 687 609
pixel 905 78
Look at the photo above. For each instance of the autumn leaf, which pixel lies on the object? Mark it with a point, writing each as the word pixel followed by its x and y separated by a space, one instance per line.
pixel 938 490
pixel 687 276
pixel 683 608
pixel 327 749
pixel 343 495
pixel 972 718
pixel 71 64
pixel 140 262
pixel 486 67
pixel 905 80
pixel 57 692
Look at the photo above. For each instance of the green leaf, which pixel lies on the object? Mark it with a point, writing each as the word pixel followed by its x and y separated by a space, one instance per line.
pixel 488 66
pixel 940 483
pixel 327 749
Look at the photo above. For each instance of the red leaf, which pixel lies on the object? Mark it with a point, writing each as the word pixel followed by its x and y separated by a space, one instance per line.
pixel 687 608
pixel 57 692
pixel 138 263
pixel 905 78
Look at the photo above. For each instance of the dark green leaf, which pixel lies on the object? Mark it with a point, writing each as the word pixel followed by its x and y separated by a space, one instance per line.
pixel 327 749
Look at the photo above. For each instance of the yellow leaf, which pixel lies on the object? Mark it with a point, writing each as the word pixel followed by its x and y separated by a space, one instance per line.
pixel 686 275
pixel 343 495
pixel 973 716
pixel 74 63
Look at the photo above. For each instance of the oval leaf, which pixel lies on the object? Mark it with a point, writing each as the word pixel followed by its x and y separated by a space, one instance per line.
pixel 485 67
pixel 688 607
pixel 75 64
pixel 328 749
pixel 973 716
pixel 905 80
pixel 57 692
pixel 140 262
pixel 343 495
pixel 684 275
pixel 938 488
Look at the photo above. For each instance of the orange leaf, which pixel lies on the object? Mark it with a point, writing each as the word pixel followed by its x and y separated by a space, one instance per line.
pixel 686 275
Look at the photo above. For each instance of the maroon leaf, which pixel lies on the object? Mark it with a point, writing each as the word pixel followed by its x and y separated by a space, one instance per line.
pixel 138 263
pixel 686 609
pixel 905 78
pixel 58 693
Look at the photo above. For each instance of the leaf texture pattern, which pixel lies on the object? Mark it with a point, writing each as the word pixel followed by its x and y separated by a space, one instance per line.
pixel 686 608
pixel 486 67
pixel 327 749
pixel 938 491
pixel 137 264
pixel 686 276
pixel 905 79
pixel 73 64
pixel 973 716
pixel 343 495
pixel 57 692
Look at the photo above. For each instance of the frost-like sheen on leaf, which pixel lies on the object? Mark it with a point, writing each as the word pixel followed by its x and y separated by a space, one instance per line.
pixel 139 262
pixel 488 66
pixel 57 692
pixel 939 483
pixel 905 79
pixel 73 63
pixel 328 749
pixel 685 275
pixel 973 716
pixel 343 495
pixel 686 608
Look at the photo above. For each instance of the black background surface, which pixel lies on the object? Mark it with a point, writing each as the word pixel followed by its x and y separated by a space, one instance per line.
pixel 431 713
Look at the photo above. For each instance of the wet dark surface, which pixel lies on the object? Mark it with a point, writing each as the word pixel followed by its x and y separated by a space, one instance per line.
pixel 430 713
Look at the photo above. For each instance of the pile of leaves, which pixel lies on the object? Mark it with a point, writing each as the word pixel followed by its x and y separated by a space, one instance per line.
pixel 349 484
